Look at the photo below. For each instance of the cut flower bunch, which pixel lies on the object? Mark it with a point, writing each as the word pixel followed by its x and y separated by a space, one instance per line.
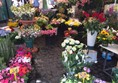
pixel 25 12
pixel 105 36
pixel 94 22
pixel 73 22
pixel 72 56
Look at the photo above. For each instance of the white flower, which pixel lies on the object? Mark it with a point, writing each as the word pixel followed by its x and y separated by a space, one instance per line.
pixel 63 80
pixel 79 82
pixel 17 37
pixel 72 43
pixel 116 34
pixel 76 57
pixel 66 41
pixel 70 52
pixel 74 48
pixel 96 61
pixel 68 48
pixel 77 42
pixel 63 44
pixel 64 53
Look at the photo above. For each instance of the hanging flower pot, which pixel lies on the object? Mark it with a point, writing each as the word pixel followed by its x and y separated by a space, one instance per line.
pixel 91 38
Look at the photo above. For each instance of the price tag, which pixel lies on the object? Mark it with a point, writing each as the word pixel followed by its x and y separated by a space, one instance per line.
pixel 14 71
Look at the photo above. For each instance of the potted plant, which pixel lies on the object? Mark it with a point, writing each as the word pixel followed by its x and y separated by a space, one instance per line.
pixel 93 23
pixel 105 37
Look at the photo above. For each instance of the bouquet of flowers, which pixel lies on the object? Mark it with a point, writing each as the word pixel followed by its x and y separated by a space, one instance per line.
pixel 55 22
pixel 110 9
pixel 95 22
pixel 83 76
pixel 30 31
pixel 25 12
pixel 73 22
pixel 73 55
pixel 42 21
pixel 105 36
pixel 49 30
pixel 18 69
pixel 115 33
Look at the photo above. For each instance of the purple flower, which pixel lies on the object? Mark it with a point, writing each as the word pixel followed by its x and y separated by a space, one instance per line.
pixel 87 69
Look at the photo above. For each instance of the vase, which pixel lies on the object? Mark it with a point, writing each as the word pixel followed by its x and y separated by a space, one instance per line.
pixel 29 42
pixel 91 39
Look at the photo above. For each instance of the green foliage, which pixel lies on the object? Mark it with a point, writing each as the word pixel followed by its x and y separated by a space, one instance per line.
pixel 92 24
pixel 6 48
pixel 94 5
pixel 2 63
pixel 73 2
pixel 115 75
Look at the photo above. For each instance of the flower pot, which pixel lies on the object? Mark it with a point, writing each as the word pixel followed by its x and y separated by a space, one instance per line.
pixel 91 38
pixel 27 22
pixel 29 42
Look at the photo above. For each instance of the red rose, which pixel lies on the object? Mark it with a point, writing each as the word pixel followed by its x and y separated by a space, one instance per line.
pixel 86 14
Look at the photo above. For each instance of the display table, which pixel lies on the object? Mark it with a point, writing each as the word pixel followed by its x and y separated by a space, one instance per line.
pixel 114 49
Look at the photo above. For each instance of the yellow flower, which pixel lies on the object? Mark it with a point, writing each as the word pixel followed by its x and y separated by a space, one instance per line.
pixel 69 28
pixel 103 32
pixel 36 27
pixel 98 37
pixel 103 38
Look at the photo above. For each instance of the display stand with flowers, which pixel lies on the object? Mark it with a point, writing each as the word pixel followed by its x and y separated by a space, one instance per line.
pixel 105 37
pixel 93 24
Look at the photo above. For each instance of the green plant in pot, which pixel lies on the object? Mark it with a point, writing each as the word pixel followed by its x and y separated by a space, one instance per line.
pixel 7 49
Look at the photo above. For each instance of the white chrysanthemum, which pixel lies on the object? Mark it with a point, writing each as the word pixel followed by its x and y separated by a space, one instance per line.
pixel 66 41
pixel 77 42
pixel 74 48
pixel 63 44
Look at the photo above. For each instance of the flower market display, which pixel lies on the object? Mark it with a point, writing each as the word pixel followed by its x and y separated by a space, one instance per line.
pixel 94 22
pixel 59 41
pixel 105 37
pixel 25 12
pixel 18 69
pixel 73 59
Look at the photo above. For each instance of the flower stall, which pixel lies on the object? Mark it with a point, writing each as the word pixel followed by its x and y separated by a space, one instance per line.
pixel 62 25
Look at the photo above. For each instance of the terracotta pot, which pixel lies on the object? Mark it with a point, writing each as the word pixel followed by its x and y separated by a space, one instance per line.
pixel 27 22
